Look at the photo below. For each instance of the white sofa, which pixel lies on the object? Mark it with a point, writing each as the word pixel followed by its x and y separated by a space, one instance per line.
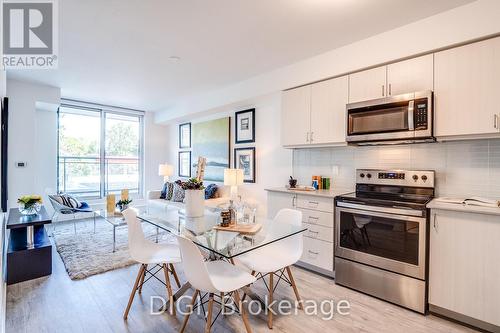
pixel 158 206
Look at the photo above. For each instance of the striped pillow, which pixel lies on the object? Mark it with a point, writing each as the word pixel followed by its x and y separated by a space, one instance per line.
pixel 68 200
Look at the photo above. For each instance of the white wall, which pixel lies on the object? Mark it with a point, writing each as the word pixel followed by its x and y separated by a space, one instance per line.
pixel 273 163
pixel 156 145
pixel 477 19
pixel 24 132
pixel 463 168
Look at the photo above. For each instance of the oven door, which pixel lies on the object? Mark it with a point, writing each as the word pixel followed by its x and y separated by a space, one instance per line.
pixel 396 243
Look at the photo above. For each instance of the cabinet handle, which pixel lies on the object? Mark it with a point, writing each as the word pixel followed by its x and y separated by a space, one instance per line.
pixel 390 89
pixel 307 137
pixel 383 90
pixel 311 137
pixel 294 198
pixel 315 253
pixel 495 121
pixel 435 223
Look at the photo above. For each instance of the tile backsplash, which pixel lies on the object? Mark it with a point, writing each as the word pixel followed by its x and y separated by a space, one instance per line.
pixel 463 168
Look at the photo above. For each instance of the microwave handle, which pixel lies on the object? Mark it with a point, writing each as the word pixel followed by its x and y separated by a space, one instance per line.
pixel 411 124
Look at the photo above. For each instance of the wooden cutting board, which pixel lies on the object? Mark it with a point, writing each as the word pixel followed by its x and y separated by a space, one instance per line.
pixel 244 229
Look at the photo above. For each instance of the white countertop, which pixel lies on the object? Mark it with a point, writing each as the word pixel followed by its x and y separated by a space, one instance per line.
pixel 331 193
pixel 435 204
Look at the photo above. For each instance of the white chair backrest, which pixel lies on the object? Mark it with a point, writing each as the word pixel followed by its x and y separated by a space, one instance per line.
pixel 194 265
pixel 295 243
pixel 136 237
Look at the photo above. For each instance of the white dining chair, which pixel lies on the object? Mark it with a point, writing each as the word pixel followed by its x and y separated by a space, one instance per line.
pixel 274 259
pixel 213 278
pixel 146 253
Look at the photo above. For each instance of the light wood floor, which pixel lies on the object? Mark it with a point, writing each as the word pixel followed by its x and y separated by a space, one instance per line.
pixel 96 304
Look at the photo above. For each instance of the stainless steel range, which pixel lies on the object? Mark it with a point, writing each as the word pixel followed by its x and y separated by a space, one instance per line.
pixel 381 236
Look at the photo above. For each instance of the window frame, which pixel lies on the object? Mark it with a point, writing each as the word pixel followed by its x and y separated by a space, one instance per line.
pixel 103 111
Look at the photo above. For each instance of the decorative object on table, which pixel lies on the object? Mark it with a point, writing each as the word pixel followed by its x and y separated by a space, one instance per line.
pixel 211 140
pixel 110 203
pixel 249 213
pixel 232 213
pixel 194 197
pixel 243 229
pixel 200 170
pixel 29 204
pixel 245 126
pixel 233 178
pixel 123 204
pixel 225 218
pixel 165 170
pixel 244 158
pixel 185 164
pixel 185 135
pixel 124 194
pixel 292 182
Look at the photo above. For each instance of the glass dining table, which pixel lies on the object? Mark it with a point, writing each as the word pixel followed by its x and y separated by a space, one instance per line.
pixel 218 244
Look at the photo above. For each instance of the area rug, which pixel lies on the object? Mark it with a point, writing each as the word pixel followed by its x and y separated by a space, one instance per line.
pixel 87 253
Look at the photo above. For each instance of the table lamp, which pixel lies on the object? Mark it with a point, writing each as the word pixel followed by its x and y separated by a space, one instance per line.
pixel 233 178
pixel 165 170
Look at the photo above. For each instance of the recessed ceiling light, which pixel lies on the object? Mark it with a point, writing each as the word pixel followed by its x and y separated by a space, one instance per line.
pixel 174 58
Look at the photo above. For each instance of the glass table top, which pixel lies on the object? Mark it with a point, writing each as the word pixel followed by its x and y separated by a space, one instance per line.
pixel 118 219
pixel 228 244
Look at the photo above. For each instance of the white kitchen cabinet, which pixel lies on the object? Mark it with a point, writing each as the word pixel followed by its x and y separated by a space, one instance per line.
pixel 315 114
pixel 296 116
pixel 410 75
pixel 279 200
pixel 369 84
pixel 328 111
pixel 467 82
pixel 464 270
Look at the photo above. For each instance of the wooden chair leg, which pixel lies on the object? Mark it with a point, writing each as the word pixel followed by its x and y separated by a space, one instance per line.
pixel 294 286
pixel 208 326
pixel 142 279
pixel 271 290
pixel 186 317
pixel 174 273
pixel 222 304
pixel 132 294
pixel 169 290
pixel 242 311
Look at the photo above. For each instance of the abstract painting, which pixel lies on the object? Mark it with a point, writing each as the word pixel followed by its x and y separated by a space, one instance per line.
pixel 210 139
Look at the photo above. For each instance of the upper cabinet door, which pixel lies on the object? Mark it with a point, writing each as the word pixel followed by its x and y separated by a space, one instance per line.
pixel 410 76
pixel 296 116
pixel 328 111
pixel 366 85
pixel 467 83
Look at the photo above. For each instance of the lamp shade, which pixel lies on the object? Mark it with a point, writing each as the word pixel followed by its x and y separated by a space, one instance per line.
pixel 233 177
pixel 165 170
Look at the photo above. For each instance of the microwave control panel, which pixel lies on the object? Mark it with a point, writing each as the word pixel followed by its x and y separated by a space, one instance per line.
pixel 421 113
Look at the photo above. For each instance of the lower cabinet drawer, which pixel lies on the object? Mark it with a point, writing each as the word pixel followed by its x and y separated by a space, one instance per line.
pixel 319 232
pixel 318 253
pixel 315 203
pixel 315 217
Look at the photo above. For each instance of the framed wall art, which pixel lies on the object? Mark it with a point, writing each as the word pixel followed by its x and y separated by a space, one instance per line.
pixel 244 158
pixel 185 164
pixel 185 136
pixel 245 126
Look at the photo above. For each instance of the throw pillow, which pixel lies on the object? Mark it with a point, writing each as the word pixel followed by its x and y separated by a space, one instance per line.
pixel 164 190
pixel 210 191
pixel 70 201
pixel 170 191
pixel 178 193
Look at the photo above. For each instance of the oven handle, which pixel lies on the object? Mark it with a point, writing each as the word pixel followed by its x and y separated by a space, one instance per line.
pixel 411 123
pixel 380 212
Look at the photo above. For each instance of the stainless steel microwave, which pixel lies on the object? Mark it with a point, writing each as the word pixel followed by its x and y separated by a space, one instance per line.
pixel 404 118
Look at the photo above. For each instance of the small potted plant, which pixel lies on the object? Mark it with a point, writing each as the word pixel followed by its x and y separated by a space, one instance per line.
pixel 194 197
pixel 29 204
pixel 123 204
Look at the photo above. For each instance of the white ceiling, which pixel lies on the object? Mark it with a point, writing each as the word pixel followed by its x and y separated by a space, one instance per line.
pixel 117 51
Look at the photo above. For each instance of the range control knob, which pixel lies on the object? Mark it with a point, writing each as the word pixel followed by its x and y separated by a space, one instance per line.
pixel 424 177
pixel 369 175
pixel 362 175
pixel 415 177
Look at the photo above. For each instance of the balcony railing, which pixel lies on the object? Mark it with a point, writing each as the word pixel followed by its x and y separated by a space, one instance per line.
pixel 82 176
